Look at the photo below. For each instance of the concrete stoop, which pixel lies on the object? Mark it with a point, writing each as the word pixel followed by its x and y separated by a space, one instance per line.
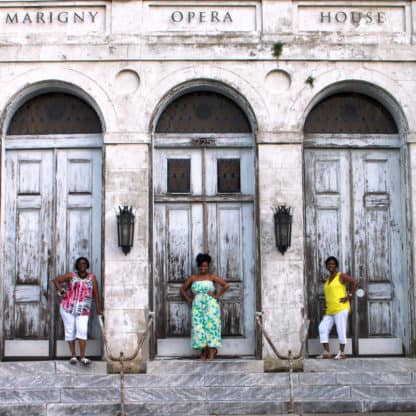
pixel 223 387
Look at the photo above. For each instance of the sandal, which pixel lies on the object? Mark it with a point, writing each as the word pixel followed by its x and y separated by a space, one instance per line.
pixel 85 361
pixel 212 354
pixel 324 355
pixel 340 356
pixel 73 360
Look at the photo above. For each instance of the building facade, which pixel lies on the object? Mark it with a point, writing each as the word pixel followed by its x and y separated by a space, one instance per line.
pixel 204 117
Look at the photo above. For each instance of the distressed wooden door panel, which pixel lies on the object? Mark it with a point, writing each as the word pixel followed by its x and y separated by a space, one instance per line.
pixel 327 200
pixel 78 225
pixel 163 160
pixel 178 236
pixel 53 211
pixel 243 167
pixel 211 209
pixel 354 210
pixel 28 241
pixel 379 250
pixel 231 240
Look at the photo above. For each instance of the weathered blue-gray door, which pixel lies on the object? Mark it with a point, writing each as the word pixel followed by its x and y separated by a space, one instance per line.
pixel 355 210
pixel 204 202
pixel 204 220
pixel 53 198
pixel 53 211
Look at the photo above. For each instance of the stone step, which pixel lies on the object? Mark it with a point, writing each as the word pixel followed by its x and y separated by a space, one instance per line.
pixel 205 367
pixel 190 387
pixel 50 367
pixel 218 408
pixel 360 364
pixel 353 380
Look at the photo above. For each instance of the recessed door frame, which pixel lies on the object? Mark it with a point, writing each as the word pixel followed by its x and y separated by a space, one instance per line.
pixel 32 141
pixel 332 143
pixel 160 138
pixel 54 143
pixel 370 141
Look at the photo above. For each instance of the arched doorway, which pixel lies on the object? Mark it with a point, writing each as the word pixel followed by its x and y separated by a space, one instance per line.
pixel 204 201
pixel 53 192
pixel 355 201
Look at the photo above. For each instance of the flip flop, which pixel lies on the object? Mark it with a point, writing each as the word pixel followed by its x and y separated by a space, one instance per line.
pixel 340 356
pixel 324 355
pixel 85 361
pixel 73 360
pixel 214 355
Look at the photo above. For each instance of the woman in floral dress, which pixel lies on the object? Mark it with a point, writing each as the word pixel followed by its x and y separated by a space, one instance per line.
pixel 206 319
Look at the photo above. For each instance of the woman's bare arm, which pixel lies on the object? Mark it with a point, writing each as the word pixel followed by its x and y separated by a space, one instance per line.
pixel 186 285
pixel 61 279
pixel 224 286
pixel 346 279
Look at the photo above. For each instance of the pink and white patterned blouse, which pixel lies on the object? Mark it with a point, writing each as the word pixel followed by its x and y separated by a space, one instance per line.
pixel 78 299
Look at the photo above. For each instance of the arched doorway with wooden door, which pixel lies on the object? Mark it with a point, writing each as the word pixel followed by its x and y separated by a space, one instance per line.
pixel 355 202
pixel 52 215
pixel 204 201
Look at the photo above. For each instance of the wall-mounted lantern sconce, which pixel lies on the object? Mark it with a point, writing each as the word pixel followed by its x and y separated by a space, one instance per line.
pixel 283 227
pixel 125 228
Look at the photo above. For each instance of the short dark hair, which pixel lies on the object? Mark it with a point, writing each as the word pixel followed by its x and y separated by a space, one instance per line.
pixel 202 258
pixel 79 259
pixel 331 258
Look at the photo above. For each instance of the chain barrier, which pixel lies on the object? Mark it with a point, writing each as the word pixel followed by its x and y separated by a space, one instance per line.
pixel 122 358
pixel 289 357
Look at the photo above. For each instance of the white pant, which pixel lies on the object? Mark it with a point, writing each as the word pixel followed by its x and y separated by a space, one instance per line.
pixel 341 320
pixel 76 326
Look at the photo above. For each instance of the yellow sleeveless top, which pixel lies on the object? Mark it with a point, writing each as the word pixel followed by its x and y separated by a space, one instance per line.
pixel 334 291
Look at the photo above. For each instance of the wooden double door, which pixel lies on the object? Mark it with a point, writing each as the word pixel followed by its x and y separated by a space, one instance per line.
pixel 52 216
pixel 355 210
pixel 204 202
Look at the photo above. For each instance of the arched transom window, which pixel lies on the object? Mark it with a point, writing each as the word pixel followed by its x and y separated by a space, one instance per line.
pixel 203 112
pixel 350 113
pixel 55 113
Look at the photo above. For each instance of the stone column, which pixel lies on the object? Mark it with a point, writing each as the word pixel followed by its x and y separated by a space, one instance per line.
pixel 282 276
pixel 126 276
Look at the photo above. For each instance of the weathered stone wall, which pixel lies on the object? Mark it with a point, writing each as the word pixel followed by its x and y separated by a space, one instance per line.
pixel 282 275
pixel 126 282
pixel 134 56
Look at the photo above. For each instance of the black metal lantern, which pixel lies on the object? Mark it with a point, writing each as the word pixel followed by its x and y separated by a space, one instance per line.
pixel 283 227
pixel 125 228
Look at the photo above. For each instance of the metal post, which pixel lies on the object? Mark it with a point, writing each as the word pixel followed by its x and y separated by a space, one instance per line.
pixel 289 357
pixel 122 412
pixel 292 402
pixel 122 359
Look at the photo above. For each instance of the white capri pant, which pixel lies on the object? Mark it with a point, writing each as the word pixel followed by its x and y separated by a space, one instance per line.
pixel 76 326
pixel 340 320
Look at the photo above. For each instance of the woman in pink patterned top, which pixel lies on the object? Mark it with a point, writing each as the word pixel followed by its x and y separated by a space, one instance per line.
pixel 76 303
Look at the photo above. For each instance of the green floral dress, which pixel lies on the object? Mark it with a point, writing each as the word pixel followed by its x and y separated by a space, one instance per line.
pixel 206 321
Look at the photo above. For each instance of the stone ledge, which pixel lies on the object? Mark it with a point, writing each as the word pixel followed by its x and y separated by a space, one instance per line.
pixel 390 405
pixel 26 409
pixel 376 392
pixel 96 409
pixel 329 406
pixel 198 367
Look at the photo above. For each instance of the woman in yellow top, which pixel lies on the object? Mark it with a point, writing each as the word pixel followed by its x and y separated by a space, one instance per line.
pixel 337 307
